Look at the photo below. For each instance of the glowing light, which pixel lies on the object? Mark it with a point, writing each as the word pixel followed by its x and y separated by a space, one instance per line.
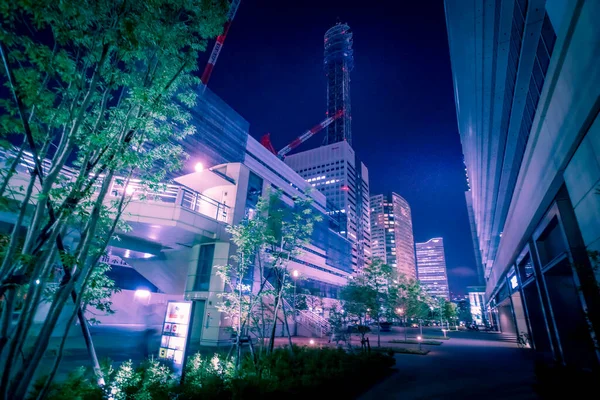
pixel 142 293
pixel 419 338
pixel 311 342
pixel 129 190
pixel 37 281
pixel 296 273
pixel 127 254
pixel 399 310
pixel 199 167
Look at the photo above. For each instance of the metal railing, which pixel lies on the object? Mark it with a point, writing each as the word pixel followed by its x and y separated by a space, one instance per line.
pixel 309 319
pixel 166 193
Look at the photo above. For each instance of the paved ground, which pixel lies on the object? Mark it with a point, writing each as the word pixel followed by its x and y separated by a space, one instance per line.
pixel 471 365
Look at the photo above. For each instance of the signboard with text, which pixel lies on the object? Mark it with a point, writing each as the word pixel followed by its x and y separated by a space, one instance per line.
pixel 174 332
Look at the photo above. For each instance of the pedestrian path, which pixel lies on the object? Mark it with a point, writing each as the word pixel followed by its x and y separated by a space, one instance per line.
pixel 471 365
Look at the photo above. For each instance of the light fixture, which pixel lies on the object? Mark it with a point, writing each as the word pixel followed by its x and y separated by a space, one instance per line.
pixel 311 342
pixel 37 281
pixel 129 190
pixel 142 293
pixel 199 167
pixel 295 274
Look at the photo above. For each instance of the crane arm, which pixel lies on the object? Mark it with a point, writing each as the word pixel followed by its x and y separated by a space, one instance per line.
pixel 308 134
pixel 219 43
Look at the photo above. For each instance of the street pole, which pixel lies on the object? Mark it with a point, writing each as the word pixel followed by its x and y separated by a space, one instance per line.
pixel 295 275
pixel 294 303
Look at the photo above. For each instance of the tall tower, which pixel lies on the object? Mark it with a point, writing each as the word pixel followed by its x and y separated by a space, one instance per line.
pixel 392 238
pixel 339 61
pixel 431 267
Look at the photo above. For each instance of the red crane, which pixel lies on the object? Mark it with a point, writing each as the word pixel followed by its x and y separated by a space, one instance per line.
pixel 219 43
pixel 266 139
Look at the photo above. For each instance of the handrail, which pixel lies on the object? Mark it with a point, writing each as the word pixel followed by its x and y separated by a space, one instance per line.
pixel 168 193
pixel 312 318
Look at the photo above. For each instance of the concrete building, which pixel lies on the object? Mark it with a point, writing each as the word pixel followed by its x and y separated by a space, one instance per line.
pixel 392 238
pixel 178 234
pixel 431 267
pixel 527 89
pixel 335 171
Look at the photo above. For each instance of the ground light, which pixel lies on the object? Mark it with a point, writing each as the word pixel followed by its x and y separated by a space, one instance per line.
pixel 419 338
pixel 444 330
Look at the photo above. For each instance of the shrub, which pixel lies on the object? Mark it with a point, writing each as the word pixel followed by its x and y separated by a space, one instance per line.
pixel 300 373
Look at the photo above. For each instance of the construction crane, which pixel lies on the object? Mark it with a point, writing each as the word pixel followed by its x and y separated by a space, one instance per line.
pixel 219 43
pixel 266 139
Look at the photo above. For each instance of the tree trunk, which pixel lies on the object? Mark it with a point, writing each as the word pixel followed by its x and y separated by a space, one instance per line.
pixel 272 336
pixel 287 327
pixel 378 331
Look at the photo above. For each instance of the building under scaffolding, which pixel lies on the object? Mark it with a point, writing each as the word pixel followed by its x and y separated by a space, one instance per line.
pixel 339 61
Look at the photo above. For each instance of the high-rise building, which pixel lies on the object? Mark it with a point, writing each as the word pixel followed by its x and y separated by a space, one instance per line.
pixel 527 89
pixel 339 61
pixel 477 304
pixel 392 238
pixel 335 171
pixel 431 267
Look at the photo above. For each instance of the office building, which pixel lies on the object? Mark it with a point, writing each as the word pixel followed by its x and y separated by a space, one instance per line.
pixel 527 88
pixel 477 304
pixel 335 171
pixel 392 238
pixel 178 232
pixel 431 267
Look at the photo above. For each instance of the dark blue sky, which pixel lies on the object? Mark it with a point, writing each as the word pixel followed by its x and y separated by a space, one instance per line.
pixel 403 116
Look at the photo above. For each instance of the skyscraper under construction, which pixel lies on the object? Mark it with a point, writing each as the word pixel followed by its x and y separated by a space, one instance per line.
pixel 334 169
pixel 339 61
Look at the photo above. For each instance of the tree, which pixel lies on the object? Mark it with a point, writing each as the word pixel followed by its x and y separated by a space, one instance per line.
pixel 372 292
pixel 413 299
pixel 104 87
pixel 266 242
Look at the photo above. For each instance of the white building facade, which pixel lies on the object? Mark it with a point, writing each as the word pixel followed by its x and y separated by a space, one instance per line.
pixel 392 239
pixel 335 171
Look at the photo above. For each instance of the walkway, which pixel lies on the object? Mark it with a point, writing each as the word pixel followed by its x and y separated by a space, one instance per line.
pixel 471 365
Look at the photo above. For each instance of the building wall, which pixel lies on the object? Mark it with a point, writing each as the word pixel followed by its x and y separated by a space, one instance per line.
pixel 334 171
pixel 533 162
pixel 431 267
pixel 391 233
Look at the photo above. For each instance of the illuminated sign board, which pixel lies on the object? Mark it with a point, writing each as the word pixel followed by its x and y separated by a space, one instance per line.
pixel 513 282
pixel 175 332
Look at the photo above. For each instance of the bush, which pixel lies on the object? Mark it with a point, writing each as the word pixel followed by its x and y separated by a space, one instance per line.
pixel 300 373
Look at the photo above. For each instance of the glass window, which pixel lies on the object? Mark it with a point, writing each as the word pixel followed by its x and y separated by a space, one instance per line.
pixel 204 269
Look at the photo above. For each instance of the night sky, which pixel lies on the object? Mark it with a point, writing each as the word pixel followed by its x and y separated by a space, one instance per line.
pixel 403 115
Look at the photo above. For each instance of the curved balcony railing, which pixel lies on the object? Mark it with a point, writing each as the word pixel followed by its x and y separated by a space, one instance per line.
pixel 175 194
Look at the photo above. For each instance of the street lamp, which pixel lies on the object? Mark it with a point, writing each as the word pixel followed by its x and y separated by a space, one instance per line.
pixel 400 311
pixel 295 275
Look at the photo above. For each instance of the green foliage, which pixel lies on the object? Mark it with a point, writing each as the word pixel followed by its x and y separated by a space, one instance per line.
pixel 105 87
pixel 266 240
pixel 77 386
pixel 302 373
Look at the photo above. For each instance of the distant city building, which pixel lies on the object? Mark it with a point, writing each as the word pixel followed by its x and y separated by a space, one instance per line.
pixel 431 267
pixel 526 86
pixel 392 238
pixel 338 62
pixel 477 303
pixel 335 171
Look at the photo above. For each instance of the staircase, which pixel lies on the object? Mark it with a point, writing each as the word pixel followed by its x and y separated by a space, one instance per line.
pixel 312 321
